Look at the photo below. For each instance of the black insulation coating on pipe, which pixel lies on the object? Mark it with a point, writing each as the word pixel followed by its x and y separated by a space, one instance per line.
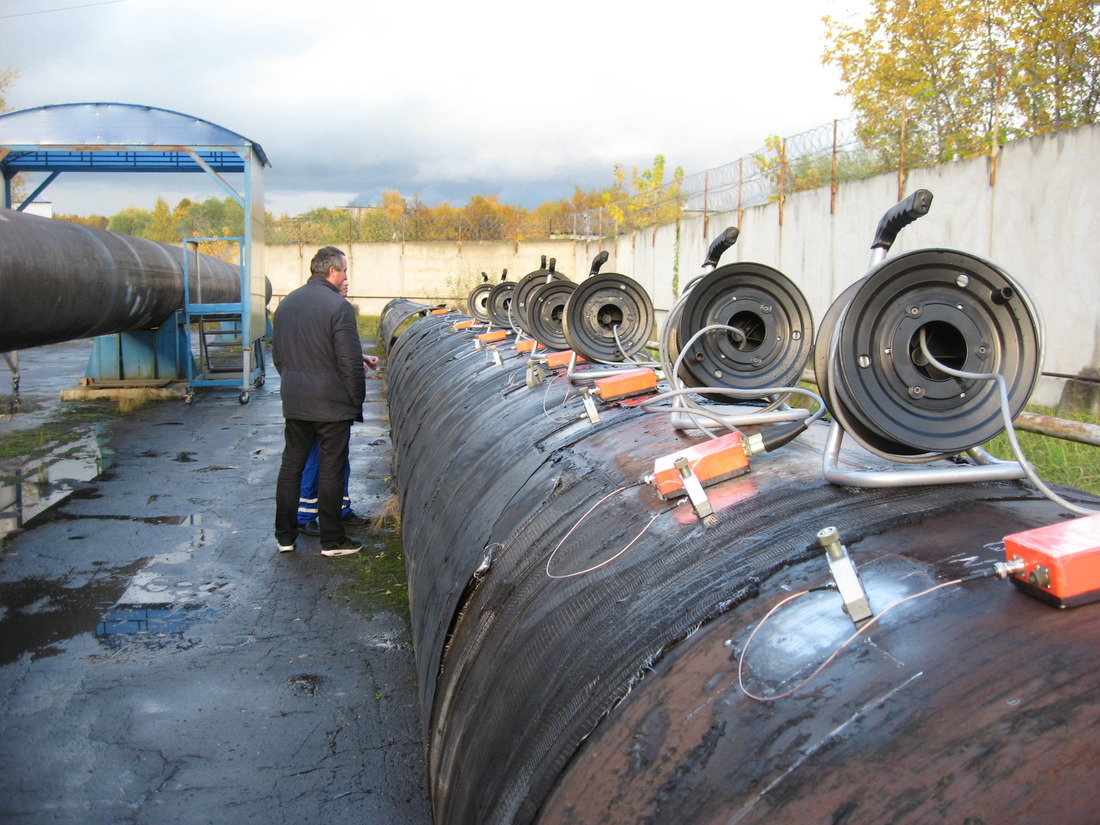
pixel 516 669
pixel 60 281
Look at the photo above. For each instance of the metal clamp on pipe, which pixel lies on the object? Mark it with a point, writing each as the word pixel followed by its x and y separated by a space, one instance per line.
pixel 536 374
pixel 856 603
pixel 696 494
pixel 590 404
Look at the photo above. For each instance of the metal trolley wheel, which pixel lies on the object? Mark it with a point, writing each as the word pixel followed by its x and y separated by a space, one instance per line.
pixel 603 307
pixel 477 302
pixel 546 310
pixel 499 304
pixel 767 308
pixel 877 381
pixel 521 298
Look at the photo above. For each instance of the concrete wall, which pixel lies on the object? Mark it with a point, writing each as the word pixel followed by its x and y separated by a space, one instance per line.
pixel 1036 222
pixel 428 271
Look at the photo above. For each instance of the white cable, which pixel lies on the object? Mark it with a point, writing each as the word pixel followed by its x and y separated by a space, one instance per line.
pixel 818 413
pixel 607 561
pixel 1010 429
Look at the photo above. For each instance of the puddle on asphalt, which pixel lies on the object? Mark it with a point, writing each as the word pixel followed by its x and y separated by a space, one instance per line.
pixel 39 485
pixel 37 615
pixel 153 625
pixel 138 605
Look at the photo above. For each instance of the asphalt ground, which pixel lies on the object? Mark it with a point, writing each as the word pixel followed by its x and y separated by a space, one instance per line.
pixel 160 661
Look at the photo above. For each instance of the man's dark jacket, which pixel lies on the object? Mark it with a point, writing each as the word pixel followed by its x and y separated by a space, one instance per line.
pixel 317 352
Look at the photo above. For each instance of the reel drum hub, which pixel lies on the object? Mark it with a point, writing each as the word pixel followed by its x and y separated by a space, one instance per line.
pixel 767 308
pixel 603 306
pixel 499 304
pixel 973 317
pixel 525 289
pixel 546 311
pixel 477 302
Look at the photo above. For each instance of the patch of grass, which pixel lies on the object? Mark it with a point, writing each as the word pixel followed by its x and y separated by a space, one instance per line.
pixel 376 577
pixel 368 327
pixel 1056 460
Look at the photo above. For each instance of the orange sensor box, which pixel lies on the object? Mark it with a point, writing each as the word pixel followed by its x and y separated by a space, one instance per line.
pixel 1061 561
pixel 711 461
pixel 554 360
pixel 631 382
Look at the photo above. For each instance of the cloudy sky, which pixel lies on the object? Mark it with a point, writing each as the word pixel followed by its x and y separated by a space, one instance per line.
pixel 444 100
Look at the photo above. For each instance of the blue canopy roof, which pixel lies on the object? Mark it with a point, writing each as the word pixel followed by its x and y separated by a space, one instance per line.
pixel 117 137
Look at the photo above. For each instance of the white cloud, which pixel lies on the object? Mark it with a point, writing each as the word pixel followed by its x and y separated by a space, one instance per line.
pixel 349 96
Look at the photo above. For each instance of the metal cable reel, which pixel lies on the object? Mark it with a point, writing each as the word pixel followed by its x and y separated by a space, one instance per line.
pixel 608 318
pixel 876 379
pixel 546 311
pixel 478 300
pixel 772 329
pixel 521 297
pixel 499 303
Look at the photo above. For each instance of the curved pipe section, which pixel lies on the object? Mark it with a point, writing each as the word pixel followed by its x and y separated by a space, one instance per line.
pixel 60 281
pixel 550 694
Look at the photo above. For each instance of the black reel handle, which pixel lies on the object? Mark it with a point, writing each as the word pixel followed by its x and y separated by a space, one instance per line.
pixel 504 276
pixel 597 262
pixel 899 216
pixel 720 245
pixel 553 263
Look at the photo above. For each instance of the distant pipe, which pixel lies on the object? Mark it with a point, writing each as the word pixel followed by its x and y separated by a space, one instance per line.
pixel 61 281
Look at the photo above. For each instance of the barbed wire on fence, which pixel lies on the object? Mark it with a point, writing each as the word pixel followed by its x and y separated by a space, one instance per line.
pixel 850 149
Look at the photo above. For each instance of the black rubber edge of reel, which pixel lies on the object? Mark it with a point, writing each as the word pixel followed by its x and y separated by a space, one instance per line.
pixel 976 318
pixel 521 297
pixel 477 302
pixel 546 312
pixel 499 304
pixel 768 307
pixel 597 306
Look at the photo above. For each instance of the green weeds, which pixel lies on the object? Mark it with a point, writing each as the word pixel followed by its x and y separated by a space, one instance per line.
pixel 1056 460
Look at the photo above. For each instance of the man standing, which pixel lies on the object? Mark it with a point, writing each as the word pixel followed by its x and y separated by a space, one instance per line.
pixel 317 352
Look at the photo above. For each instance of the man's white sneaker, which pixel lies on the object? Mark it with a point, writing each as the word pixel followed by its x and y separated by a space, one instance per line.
pixel 350 550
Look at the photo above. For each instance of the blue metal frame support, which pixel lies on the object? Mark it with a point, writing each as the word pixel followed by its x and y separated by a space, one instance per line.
pixel 27 201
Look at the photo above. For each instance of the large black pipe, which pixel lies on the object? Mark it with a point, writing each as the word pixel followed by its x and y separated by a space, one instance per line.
pixel 613 697
pixel 60 281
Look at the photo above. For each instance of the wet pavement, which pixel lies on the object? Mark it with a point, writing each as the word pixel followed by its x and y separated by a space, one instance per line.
pixel 161 663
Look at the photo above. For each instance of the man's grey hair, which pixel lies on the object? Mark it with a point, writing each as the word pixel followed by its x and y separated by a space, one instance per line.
pixel 327 256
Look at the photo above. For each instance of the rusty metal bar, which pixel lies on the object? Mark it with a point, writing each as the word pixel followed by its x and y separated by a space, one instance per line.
pixel 1063 428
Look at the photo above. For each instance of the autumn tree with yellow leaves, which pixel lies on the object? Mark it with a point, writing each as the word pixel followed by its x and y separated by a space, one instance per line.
pixel 8 76
pixel 646 199
pixel 935 80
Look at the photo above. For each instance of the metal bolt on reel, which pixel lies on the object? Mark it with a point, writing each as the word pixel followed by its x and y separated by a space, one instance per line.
pixel 876 379
pixel 773 336
pixel 608 318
